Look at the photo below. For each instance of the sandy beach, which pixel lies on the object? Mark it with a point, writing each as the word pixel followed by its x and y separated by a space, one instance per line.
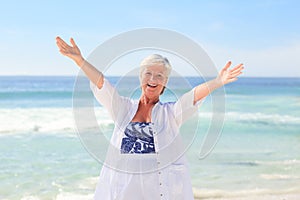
pixel 259 197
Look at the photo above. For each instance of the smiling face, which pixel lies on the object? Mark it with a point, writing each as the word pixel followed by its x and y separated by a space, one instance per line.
pixel 153 80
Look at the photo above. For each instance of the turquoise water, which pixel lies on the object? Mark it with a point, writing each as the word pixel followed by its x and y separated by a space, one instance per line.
pixel 42 157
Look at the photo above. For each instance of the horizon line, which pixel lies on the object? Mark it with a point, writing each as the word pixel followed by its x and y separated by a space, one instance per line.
pixel 36 75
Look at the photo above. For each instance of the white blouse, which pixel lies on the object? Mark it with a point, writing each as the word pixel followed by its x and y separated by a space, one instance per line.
pixel 163 175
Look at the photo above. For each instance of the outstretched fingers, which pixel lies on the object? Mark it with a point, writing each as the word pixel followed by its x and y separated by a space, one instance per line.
pixel 226 66
pixel 232 75
pixel 237 68
pixel 73 42
pixel 61 43
pixel 236 71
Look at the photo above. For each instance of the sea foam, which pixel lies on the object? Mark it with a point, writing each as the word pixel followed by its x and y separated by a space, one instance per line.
pixel 44 120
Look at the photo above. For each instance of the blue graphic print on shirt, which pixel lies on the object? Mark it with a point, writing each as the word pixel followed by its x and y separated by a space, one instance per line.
pixel 138 138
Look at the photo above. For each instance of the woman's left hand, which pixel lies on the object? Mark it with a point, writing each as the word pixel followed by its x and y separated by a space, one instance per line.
pixel 227 75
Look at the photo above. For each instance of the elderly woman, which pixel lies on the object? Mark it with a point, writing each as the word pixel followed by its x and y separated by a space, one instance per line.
pixel 147 127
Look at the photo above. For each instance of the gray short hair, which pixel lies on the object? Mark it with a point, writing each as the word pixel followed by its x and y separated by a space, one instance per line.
pixel 155 59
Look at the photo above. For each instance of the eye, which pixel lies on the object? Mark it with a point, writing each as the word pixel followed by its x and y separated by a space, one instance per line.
pixel 148 73
pixel 160 76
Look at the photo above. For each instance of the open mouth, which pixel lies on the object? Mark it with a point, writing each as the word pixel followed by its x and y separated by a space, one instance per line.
pixel 152 86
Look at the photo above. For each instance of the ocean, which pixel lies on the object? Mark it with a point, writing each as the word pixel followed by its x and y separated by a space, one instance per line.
pixel 257 154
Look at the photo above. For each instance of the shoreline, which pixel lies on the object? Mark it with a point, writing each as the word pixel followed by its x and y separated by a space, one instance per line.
pixel 295 196
pixel 72 196
pixel 257 194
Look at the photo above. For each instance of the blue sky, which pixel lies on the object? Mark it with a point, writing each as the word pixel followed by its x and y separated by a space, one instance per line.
pixel 264 35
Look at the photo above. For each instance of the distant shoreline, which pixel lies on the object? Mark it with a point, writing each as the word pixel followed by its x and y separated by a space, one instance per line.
pixel 114 76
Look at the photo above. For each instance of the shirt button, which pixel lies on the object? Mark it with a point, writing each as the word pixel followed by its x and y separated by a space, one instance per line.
pixel 159 172
pixel 159 183
pixel 158 162
pixel 161 195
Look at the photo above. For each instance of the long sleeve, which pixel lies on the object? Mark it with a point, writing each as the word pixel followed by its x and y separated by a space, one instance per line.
pixel 109 98
pixel 184 107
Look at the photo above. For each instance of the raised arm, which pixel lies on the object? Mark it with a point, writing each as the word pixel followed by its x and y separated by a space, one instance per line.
pixel 225 76
pixel 73 52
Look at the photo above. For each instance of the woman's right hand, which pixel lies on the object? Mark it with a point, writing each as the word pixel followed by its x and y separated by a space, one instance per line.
pixel 72 52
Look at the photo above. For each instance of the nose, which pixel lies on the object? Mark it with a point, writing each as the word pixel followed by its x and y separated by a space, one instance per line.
pixel 153 78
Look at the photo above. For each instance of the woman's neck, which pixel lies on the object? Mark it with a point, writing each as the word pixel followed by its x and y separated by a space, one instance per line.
pixel 145 100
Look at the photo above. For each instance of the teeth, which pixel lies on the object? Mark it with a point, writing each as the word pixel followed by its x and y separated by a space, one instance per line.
pixel 151 85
